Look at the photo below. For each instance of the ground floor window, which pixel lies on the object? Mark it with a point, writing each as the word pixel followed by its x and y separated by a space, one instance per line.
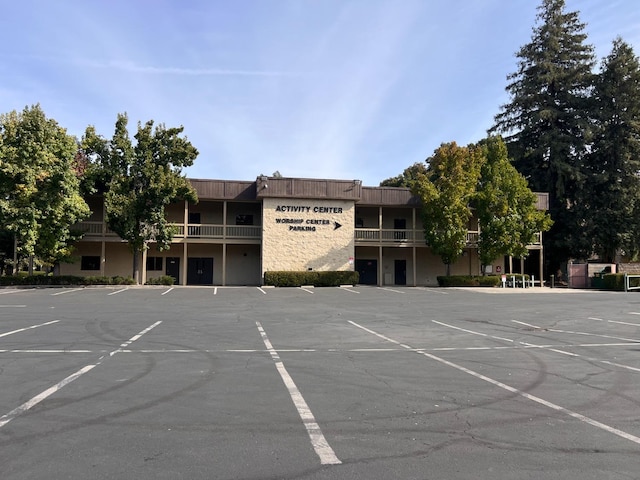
pixel 154 264
pixel 90 262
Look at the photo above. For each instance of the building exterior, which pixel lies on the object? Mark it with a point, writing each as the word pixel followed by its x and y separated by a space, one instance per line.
pixel 240 229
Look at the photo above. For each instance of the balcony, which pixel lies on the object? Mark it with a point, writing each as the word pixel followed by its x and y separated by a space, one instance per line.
pixel 394 236
pixel 219 232
pixel 94 230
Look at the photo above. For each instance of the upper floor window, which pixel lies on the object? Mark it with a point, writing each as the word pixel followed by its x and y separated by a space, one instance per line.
pixel 244 219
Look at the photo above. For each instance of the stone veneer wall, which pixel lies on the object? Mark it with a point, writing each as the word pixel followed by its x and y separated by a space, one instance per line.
pixel 303 234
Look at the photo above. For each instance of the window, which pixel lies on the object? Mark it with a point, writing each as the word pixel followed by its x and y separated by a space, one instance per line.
pixel 90 262
pixel 154 264
pixel 359 223
pixel 244 219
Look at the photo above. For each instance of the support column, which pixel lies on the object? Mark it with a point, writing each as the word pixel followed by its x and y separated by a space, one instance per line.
pixel 380 271
pixel 183 274
pixel 224 243
pixel 185 237
pixel 224 264
pixel 413 252
pixel 415 267
pixel 144 266
pixel 103 256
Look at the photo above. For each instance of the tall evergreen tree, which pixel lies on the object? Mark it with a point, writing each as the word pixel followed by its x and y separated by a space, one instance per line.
pixel 612 202
pixel 546 123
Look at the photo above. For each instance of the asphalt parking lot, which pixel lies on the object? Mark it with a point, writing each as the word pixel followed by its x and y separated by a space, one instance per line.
pixel 335 383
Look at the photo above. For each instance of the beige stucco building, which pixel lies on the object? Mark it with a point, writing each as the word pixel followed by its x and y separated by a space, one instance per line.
pixel 240 229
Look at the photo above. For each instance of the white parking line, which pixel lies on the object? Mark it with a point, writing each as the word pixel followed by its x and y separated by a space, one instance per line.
pixel 66 381
pixel 541 401
pixel 215 290
pixel 391 290
pixel 28 328
pixel 262 290
pixel 615 321
pixel 118 291
pixel 306 289
pixel 571 332
pixel 12 306
pixel 349 289
pixel 319 443
pixel 166 291
pixel 472 332
pixel 66 291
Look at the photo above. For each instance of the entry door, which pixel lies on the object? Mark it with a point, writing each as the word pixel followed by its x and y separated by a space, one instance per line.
pixel 400 272
pixel 173 268
pixel 368 270
pixel 200 271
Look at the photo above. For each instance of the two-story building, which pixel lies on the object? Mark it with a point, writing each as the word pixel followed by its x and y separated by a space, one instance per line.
pixel 240 229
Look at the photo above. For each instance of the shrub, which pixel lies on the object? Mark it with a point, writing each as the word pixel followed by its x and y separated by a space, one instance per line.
pixel 470 281
pixel 60 280
pixel 613 281
pixel 163 280
pixel 317 279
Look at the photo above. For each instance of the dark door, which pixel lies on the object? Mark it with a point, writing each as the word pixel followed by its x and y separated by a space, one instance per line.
pixel 400 272
pixel 368 270
pixel 173 268
pixel 200 271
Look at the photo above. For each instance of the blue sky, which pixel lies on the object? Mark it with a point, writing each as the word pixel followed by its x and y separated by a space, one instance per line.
pixel 348 89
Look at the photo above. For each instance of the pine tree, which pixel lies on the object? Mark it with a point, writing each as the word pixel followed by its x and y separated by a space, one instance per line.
pixel 546 123
pixel 612 199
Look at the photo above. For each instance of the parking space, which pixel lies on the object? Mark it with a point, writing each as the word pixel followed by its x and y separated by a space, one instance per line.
pixel 332 383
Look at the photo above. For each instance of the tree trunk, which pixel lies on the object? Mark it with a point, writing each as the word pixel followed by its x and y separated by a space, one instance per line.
pixel 448 269
pixel 136 267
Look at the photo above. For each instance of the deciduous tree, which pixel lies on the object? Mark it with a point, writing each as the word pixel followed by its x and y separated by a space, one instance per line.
pixel 140 179
pixel 447 190
pixel 506 207
pixel 39 186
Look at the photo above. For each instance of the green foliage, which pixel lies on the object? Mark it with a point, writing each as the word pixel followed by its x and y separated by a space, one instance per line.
pixel 62 280
pixel 39 188
pixel 505 206
pixel 141 180
pixel 547 121
pixel 317 279
pixel 407 178
pixel 469 281
pixel 611 203
pixel 163 280
pixel 613 281
pixel 446 191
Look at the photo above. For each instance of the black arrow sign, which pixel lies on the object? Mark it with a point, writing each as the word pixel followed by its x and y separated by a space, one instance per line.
pixel 336 225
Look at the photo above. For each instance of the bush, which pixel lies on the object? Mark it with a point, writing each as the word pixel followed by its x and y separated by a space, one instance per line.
pixel 317 279
pixel 59 280
pixel 613 281
pixel 470 281
pixel 163 280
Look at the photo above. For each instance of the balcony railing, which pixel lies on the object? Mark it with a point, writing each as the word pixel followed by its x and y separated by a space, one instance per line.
pixel 203 230
pixel 94 229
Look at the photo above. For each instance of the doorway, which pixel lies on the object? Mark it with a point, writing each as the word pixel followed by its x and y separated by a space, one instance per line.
pixel 200 271
pixel 368 270
pixel 172 269
pixel 400 269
